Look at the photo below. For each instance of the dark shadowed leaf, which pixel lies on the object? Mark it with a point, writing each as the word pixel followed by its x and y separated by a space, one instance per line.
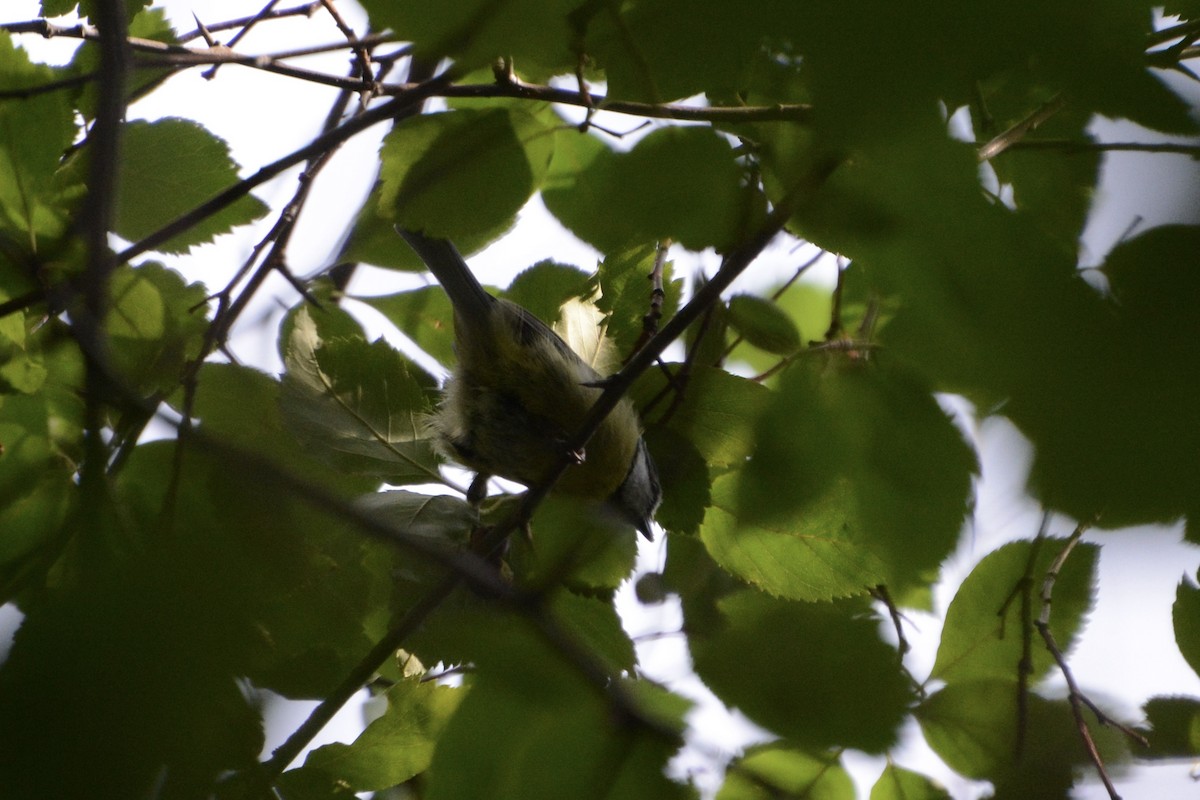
pixel 763 324
pixel 769 658
pixel 699 200
pixel 457 173
pixel 1172 727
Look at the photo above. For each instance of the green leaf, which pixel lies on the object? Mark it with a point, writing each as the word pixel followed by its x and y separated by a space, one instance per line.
pixel 359 407
pixel 157 324
pixel 302 595
pixel 87 8
pixel 144 23
pixel 34 135
pixel 977 730
pixel 1121 456
pixel 574 542
pixel 561 737
pixel 331 320
pixel 1185 614
pixel 154 628
pixel 579 185
pixel 55 8
pixel 441 519
pixel 684 476
pixel 857 462
pixel 31 520
pixel 534 34
pixel 698 200
pixel 779 771
pixel 815 556
pixel 543 289
pixel 226 391
pixel 807 308
pixel 763 324
pixel 373 239
pixel 169 167
pixel 40 446
pixel 771 659
pixel 897 783
pixel 559 745
pixel 593 623
pixel 20 370
pixel 1172 727
pixel 657 52
pixel 717 413
pixel 1101 449
pixel 985 634
pixel 434 162
pixel 398 745
pixel 423 315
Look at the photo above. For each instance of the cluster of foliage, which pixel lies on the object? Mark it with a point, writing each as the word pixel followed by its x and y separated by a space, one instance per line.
pixel 159 580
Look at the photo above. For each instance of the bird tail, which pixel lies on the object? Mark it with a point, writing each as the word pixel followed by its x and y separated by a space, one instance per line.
pixel 442 258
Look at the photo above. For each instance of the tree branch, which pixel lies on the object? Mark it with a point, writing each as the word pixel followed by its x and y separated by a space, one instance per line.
pixel 104 145
pixel 1075 697
pixel 1020 130
pixel 1068 145
pixel 168 55
pixel 798 113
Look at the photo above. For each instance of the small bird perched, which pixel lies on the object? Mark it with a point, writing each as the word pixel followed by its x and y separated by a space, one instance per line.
pixel 519 392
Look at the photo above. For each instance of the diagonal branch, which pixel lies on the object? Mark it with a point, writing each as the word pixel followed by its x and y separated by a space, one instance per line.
pixel 1077 698
pixel 1021 129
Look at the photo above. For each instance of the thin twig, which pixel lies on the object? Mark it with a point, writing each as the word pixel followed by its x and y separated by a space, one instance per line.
pixel 303 10
pixel 1077 699
pixel 211 73
pixel 798 113
pixel 835 314
pixel 361 55
pixel 1182 30
pixel 384 649
pixel 882 594
pixel 1024 590
pixel 1069 145
pixel 168 55
pixel 658 295
pixel 1021 129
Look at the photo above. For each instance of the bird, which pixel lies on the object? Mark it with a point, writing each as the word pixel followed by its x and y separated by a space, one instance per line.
pixel 518 393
